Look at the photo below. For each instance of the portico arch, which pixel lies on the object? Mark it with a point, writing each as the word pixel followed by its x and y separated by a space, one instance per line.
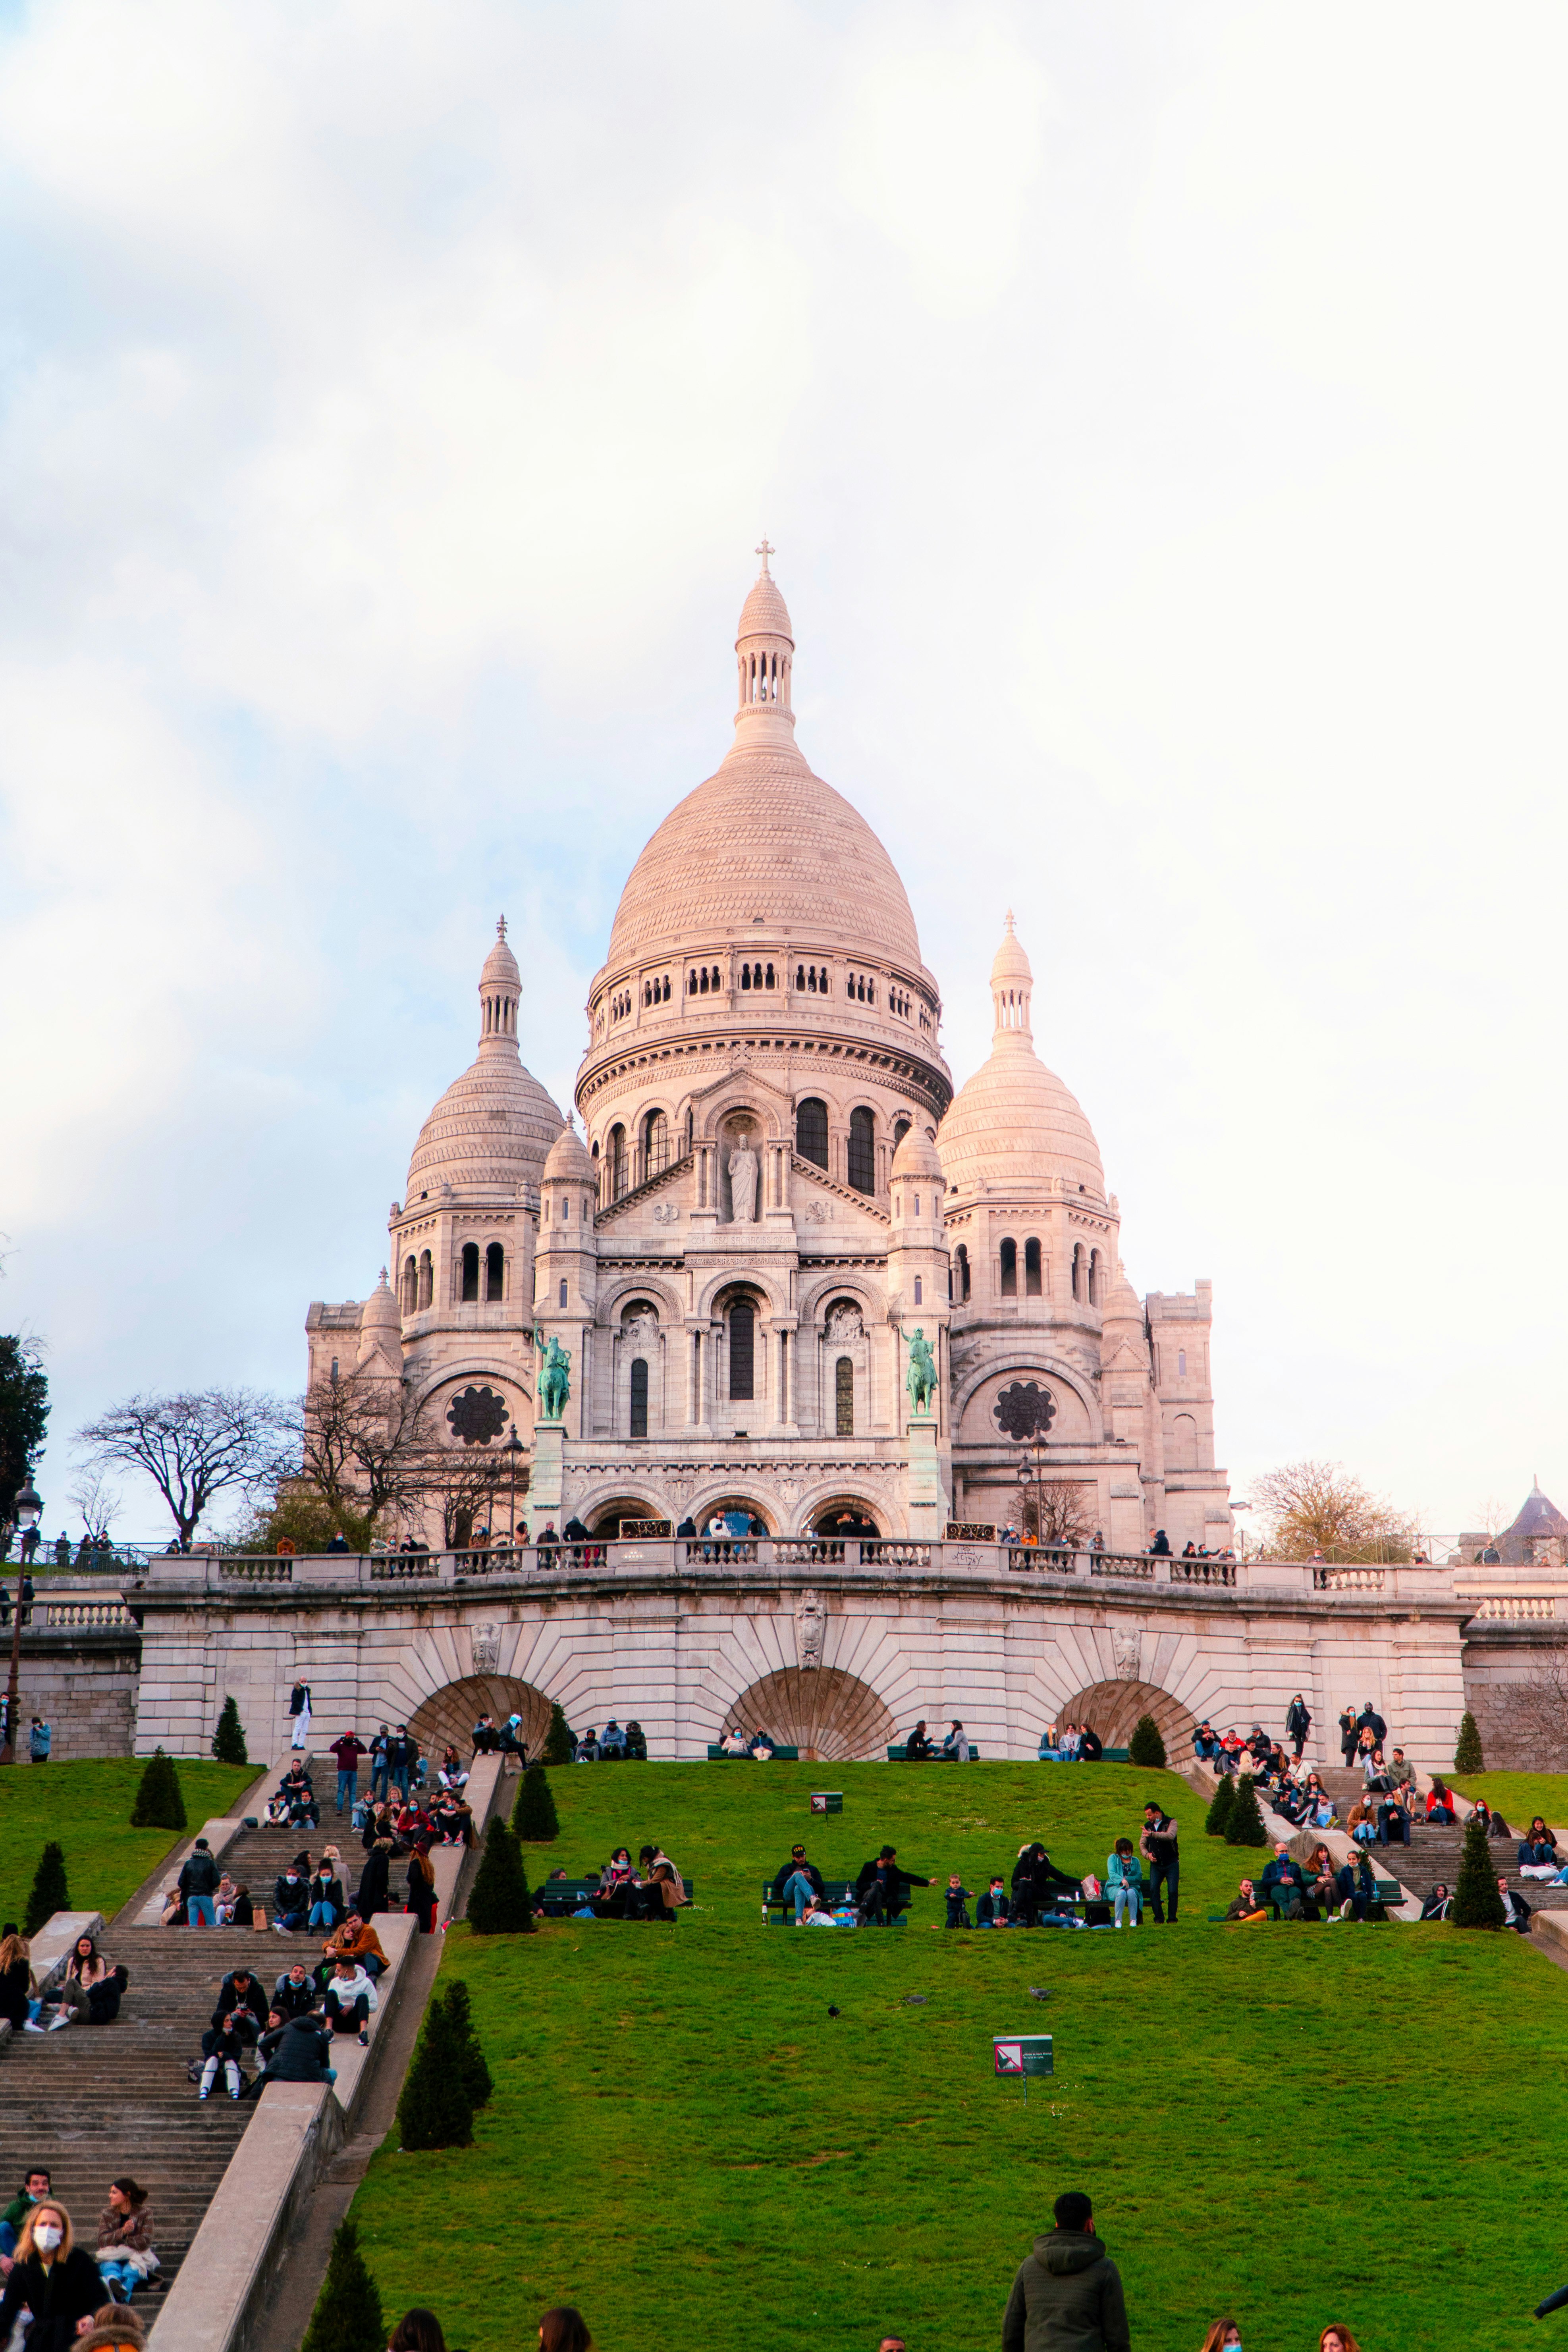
pixel 831 1717
pixel 447 1718
pixel 1112 1710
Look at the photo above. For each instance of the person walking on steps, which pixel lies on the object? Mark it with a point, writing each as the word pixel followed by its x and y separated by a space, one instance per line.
pixel 1298 1724
pixel 348 1749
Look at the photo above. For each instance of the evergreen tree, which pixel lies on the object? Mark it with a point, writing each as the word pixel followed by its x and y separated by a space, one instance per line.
pixel 228 1740
pixel 1146 1746
pixel 499 1903
pixel 347 2317
pixel 533 1816
pixel 437 2109
pixel 1244 1826
pixel 159 1803
pixel 1477 1902
pixel 50 1893
pixel 1218 1817
pixel 1467 1756
pixel 470 2057
pixel 24 1417
pixel 560 1748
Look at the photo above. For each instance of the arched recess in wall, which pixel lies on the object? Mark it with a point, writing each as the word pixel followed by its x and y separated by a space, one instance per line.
pixel 1112 1709
pixel 447 1718
pixel 832 1718
pixel 1183 1450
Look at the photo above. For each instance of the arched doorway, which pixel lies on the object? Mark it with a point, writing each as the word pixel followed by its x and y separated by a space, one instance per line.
pixel 832 1718
pixel 447 1718
pixel 1112 1709
pixel 829 1519
pixel 735 1507
pixel 608 1518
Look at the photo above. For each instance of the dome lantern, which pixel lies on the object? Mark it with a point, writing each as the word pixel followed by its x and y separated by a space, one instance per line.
pixel 1014 1123
pixel 1012 985
pixel 764 651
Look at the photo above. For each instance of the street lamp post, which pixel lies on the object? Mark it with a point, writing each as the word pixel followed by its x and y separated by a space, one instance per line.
pixel 513 1452
pixel 29 1511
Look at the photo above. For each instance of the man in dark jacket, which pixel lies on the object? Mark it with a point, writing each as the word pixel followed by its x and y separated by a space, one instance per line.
pixel 882 1889
pixel 296 2053
pixel 1286 1870
pixel 1370 1720
pixel 348 1749
pixel 199 1884
pixel 1158 1845
pixel 294 1993
pixel 290 1899
pixel 797 1880
pixel 1298 1723
pixel 239 1990
pixel 1069 2293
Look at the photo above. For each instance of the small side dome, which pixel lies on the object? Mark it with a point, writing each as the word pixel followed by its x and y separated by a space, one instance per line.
pixel 1123 1304
pixel 917 1155
pixel 568 1162
pixel 380 1310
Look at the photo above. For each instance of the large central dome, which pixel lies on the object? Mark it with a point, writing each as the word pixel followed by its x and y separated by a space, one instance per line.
pixel 765 837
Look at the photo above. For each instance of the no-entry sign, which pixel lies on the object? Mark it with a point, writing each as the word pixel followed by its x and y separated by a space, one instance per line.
pixel 1023 2055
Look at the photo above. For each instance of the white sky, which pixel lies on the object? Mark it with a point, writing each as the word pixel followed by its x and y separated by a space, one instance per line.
pixel 1159 414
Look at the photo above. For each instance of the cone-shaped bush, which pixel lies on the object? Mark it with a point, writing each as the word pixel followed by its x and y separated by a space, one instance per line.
pixel 347 2317
pixel 50 1893
pixel 437 2109
pixel 1467 1756
pixel 228 1740
pixel 1477 1902
pixel 533 1817
pixel 560 1747
pixel 159 1803
pixel 1217 1819
pixel 499 1903
pixel 470 2057
pixel 1244 1826
pixel 1146 1746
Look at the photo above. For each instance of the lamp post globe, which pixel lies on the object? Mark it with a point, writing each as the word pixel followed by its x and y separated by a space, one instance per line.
pixel 27 1505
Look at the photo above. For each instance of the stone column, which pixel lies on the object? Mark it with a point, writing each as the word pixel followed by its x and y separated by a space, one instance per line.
pixel 545 1487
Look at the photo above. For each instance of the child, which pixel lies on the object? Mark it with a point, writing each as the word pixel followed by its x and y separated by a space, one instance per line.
pixel 957 1902
pixel 1124 1880
pixel 992 1907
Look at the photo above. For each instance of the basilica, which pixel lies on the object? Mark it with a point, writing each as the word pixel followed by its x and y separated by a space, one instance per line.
pixel 770 1203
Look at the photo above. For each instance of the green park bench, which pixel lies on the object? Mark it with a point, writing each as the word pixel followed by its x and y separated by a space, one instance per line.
pixel 561 1896
pixel 780 1756
pixel 778 1912
pixel 1387 1892
pixel 901 1755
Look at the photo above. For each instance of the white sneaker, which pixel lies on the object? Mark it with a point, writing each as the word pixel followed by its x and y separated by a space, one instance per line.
pixel 32 2026
pixel 63 2018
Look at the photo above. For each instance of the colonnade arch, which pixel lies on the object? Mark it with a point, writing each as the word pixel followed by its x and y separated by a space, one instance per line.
pixel 447 1718
pixel 831 1717
pixel 1112 1709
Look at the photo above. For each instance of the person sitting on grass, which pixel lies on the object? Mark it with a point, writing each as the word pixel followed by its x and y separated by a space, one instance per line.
pixel 797 1881
pixel 1517 1913
pixel 993 1909
pixel 664 1894
pixel 1286 1871
pixel 957 1904
pixel 1245 1906
pixel 351 1996
pixel 1124 1880
pixel 818 1913
pixel 1436 1904
pixel 882 1890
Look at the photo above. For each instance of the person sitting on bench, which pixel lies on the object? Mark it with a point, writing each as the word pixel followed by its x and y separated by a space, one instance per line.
pixel 762 1749
pixel 797 1881
pixel 1319 1876
pixel 1355 1889
pixel 733 1743
pixel 1036 1879
pixel 917 1747
pixel 1090 1746
pixel 882 1888
pixel 955 1747
pixel 1286 1871
pixel 1245 1905
pixel 636 1743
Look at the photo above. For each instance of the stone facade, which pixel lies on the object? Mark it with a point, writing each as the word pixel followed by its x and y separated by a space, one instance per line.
pixel 84 1681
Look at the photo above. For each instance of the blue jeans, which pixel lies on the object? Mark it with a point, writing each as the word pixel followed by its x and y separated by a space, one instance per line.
pixel 323 1915
pixel 7 2239
pixel 800 1886
pixel 202 1910
pixel 348 1787
pixel 123 2275
pixel 1124 1898
pixel 378 1780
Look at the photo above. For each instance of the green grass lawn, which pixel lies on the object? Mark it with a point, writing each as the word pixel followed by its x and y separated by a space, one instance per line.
pixel 87 1808
pixel 1518 1796
pixel 1295 2124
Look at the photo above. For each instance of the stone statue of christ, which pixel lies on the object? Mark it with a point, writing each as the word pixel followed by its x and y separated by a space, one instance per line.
pixel 743 1186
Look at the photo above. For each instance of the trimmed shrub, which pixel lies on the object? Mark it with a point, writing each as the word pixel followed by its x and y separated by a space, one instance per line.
pixel 347 2317
pixel 50 1893
pixel 533 1817
pixel 1468 1755
pixel 228 1740
pixel 470 2057
pixel 1146 1746
pixel 560 1748
pixel 499 1903
pixel 1244 1826
pixel 159 1803
pixel 1477 1902
pixel 1218 1816
pixel 437 2109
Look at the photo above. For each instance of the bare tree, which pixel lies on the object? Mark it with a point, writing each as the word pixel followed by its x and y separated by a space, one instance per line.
pixel 1525 1724
pixel 1318 1507
pixel 95 1501
pixel 1059 1511
pixel 194 1447
pixel 363 1444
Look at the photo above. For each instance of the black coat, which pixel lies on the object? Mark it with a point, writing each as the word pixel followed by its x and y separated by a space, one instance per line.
pixel 297 2052
pixel 230 1997
pixel 1372 1721
pixel 897 1882
pixel 200 1875
pixel 373 1886
pixel 788 1869
pixel 14 1994
pixel 291 1899
pixel 72 2289
pixel 293 1999
pixel 1091 1746
pixel 1297 1721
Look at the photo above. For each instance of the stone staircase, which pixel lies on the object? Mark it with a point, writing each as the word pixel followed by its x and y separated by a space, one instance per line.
pixel 96 2100
pixel 1434 1854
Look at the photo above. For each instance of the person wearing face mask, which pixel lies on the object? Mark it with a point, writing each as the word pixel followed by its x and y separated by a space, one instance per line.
pixel 291 1899
pixel 1225 2336
pixel 53 2279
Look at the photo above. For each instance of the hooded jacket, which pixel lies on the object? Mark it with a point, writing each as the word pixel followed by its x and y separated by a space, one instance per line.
pixel 1066 2299
pixel 297 2052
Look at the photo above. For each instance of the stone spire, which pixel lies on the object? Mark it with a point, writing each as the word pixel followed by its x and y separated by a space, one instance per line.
pixel 764 654
pixel 500 986
pixel 1012 986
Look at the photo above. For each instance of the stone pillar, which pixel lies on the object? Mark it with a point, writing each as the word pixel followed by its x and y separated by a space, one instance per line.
pixel 927 1516
pixel 544 1488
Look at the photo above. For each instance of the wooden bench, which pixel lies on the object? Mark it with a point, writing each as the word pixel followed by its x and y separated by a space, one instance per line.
pixel 901 1755
pixel 560 1897
pixel 778 1910
pixel 780 1756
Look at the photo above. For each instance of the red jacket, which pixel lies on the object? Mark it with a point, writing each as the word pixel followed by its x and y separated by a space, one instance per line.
pixel 348 1751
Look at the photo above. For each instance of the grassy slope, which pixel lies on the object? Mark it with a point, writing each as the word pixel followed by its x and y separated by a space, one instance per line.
pixel 685 2142
pixel 87 1808
pixel 1517 1796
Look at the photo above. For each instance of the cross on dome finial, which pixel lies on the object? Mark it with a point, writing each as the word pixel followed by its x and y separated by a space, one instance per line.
pixel 1010 923
pixel 501 926
pixel 764 551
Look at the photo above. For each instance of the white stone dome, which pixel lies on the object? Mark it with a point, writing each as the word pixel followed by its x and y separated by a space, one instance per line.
pixel 1014 1122
pixel 917 1155
pixel 569 1159
pixel 492 1128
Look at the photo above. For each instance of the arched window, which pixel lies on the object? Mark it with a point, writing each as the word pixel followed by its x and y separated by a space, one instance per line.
pixel 617 1156
pixel 862 1152
pixel 811 1131
pixel 900 1129
pixel 691 982
pixel 844 1396
pixel 564 1291
pixel 962 1257
pixel 770 975
pixel 745 975
pixel 410 1286
pixel 800 975
pixel 1009 1269
pixel 1031 1269
pixel 1183 1447
pixel 919 1292
pixel 742 1346
pixel 426 1279
pixel 1077 1271
pixel 640 1396
pixel 1095 1263
pixel 713 975
pixel 656 1143
pixel 1181 1363
pixel 703 983
pixel 471 1273
pixel 495 1272
pixel 689 1130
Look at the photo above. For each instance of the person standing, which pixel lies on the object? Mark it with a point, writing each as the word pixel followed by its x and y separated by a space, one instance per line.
pixel 1349 1733
pixel 39 1738
pixel 1298 1723
pixel 1068 2291
pixel 378 1747
pixel 1158 1845
pixel 198 1881
pixel 348 1749
pixel 300 1709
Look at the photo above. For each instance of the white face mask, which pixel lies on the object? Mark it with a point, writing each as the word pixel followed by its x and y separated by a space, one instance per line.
pixel 47 2236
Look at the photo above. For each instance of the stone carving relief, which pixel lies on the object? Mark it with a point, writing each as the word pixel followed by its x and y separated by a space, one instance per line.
pixel 844 1324
pixel 1128 1649
pixel 817 1212
pixel 485 1641
pixel 665 1213
pixel 641 1331
pixel 810 1621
